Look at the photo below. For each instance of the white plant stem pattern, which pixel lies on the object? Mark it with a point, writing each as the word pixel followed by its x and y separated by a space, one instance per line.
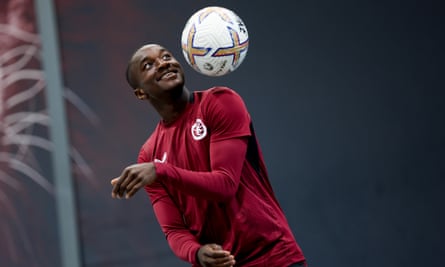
pixel 24 127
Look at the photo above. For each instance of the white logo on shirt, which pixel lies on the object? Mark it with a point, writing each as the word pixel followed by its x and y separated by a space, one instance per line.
pixel 164 158
pixel 199 130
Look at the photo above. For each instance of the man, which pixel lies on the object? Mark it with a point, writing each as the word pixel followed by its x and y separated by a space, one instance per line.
pixel 204 172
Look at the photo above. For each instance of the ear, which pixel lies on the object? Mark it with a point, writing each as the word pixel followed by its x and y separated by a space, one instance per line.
pixel 140 94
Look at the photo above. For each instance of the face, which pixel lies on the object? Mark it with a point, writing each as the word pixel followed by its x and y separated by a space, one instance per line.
pixel 158 72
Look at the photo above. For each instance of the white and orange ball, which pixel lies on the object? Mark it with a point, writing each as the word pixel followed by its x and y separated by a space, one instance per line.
pixel 214 41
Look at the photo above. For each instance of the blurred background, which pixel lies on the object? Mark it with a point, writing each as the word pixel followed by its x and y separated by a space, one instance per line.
pixel 346 97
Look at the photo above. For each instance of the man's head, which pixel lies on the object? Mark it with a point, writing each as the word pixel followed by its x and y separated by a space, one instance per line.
pixel 154 73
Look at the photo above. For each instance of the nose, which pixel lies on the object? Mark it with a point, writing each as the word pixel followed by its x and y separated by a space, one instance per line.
pixel 162 63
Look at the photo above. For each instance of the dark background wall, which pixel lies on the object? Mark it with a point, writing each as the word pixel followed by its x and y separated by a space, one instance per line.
pixel 347 100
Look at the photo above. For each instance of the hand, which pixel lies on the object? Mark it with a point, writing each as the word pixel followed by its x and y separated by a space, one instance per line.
pixel 132 179
pixel 212 255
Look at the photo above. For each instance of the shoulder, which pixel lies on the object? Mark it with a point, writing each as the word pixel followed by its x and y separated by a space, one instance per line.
pixel 220 90
pixel 223 104
pixel 221 94
pixel 225 113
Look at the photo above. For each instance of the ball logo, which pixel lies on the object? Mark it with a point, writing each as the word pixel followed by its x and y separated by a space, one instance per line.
pixel 199 130
pixel 208 66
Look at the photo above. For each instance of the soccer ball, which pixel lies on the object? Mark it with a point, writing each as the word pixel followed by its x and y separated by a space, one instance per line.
pixel 214 41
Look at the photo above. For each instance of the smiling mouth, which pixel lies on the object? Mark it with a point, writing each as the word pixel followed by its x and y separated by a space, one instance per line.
pixel 169 75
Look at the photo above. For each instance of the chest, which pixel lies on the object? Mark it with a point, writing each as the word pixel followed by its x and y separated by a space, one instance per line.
pixel 186 144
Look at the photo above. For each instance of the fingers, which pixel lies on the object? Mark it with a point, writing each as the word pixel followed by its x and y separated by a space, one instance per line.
pixel 121 189
pixel 126 177
pixel 132 179
pixel 227 260
pixel 133 187
pixel 114 181
pixel 128 183
pixel 115 184
pixel 119 184
pixel 213 255
pixel 220 262
pixel 217 253
pixel 215 246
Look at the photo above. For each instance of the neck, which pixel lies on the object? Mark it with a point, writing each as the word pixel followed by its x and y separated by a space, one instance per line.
pixel 172 109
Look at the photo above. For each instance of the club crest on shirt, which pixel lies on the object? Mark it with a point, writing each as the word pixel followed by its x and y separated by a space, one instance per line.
pixel 199 130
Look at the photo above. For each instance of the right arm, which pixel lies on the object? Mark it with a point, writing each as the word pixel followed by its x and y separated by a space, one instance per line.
pixel 178 236
pixel 181 241
pixel 169 217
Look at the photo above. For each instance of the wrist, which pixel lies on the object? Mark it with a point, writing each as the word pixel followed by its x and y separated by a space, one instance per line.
pixel 197 258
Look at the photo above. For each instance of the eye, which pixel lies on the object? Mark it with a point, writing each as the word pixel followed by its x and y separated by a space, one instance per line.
pixel 166 57
pixel 146 65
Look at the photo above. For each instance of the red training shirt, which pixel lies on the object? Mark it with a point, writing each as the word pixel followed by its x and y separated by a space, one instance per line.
pixel 213 186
